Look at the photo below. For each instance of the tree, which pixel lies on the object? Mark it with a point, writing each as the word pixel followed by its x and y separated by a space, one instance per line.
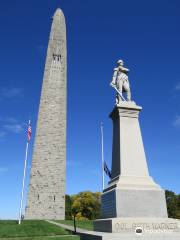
pixel 173 204
pixel 86 205
pixel 178 212
pixel 68 207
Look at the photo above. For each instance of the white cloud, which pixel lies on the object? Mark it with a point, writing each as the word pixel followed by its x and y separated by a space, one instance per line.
pixel 176 122
pixel 10 125
pixel 11 120
pixel 10 92
pixel 15 128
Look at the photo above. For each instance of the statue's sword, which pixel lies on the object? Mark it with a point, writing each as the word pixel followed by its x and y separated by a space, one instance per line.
pixel 120 94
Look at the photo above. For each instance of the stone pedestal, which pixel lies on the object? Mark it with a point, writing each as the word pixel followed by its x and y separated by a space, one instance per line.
pixel 133 203
pixel 132 225
pixel 132 199
pixel 134 229
pixel 131 191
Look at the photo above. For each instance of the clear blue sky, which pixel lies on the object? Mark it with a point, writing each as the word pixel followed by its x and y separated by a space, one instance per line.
pixel 145 34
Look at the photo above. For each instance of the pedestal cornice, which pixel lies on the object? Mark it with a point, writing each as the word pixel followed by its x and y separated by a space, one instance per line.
pixel 125 109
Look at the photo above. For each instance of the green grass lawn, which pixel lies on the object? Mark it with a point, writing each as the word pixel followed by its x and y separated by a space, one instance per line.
pixel 87 224
pixel 33 229
pixel 43 238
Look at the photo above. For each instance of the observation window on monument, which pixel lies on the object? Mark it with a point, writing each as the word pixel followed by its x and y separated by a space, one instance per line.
pixel 38 196
pixel 56 57
pixel 54 198
pixel 59 57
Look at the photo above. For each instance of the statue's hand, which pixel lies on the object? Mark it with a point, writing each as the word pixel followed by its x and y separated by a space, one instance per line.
pixel 112 84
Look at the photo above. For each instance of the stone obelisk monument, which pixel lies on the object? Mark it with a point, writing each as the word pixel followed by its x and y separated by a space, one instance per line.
pixel 46 196
pixel 132 203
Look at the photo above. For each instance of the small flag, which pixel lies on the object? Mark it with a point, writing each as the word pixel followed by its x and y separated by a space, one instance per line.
pixel 106 169
pixel 29 132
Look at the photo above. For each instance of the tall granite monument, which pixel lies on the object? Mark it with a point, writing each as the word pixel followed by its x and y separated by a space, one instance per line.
pixel 133 205
pixel 46 196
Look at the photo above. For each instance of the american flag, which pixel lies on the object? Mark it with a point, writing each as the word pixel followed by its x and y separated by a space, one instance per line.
pixel 29 132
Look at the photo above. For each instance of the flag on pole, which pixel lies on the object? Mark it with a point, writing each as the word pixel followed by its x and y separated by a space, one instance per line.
pixel 106 169
pixel 29 132
pixel 24 175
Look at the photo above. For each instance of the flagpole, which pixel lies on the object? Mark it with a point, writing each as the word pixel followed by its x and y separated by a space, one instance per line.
pixel 102 154
pixel 24 176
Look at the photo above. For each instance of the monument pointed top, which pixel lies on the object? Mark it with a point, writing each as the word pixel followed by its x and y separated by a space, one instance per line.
pixel 58 13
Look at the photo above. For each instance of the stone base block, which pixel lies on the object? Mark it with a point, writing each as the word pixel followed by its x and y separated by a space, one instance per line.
pixel 131 225
pixel 134 228
pixel 144 203
pixel 116 236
